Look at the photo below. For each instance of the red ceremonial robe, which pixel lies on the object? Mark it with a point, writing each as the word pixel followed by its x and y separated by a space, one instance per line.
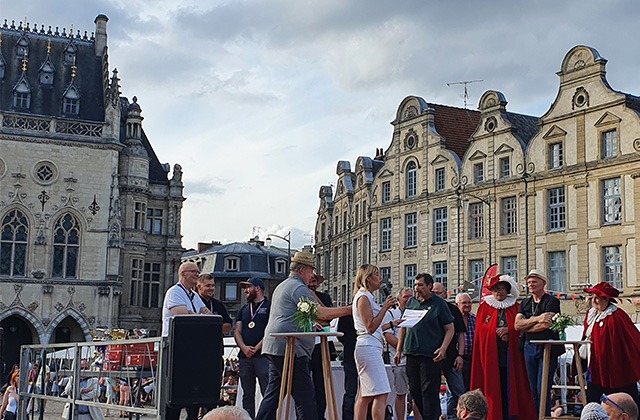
pixel 485 372
pixel 614 351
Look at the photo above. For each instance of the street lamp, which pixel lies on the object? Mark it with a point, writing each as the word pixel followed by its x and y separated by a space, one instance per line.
pixel 487 201
pixel 286 238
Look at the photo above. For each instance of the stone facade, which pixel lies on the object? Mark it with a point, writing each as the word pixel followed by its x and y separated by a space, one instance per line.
pixel 458 190
pixel 90 219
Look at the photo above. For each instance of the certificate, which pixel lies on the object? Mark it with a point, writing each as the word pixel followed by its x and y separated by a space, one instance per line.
pixel 411 317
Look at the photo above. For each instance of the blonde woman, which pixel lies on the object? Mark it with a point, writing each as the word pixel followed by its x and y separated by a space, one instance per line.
pixel 367 319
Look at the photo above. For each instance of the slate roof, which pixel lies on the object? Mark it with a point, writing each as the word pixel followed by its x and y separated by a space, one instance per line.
pixel 456 125
pixel 47 99
pixel 526 125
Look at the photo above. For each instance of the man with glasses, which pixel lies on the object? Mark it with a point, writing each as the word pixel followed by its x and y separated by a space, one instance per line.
pixel 181 299
pixel 425 345
pixel 463 300
pixel 619 406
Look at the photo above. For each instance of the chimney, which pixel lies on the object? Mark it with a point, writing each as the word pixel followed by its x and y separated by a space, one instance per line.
pixel 101 34
pixel 203 246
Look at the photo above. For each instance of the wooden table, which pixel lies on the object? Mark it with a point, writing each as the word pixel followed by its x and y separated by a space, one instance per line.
pixel 287 370
pixel 547 363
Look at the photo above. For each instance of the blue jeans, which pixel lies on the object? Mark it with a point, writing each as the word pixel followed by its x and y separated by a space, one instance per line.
pixel 455 383
pixel 250 369
pixel 533 354
pixel 302 390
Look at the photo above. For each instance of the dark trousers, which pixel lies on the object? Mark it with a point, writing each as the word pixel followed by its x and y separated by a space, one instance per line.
pixel 250 369
pixel 318 381
pixel 466 373
pixel 350 388
pixel 301 390
pixel 424 384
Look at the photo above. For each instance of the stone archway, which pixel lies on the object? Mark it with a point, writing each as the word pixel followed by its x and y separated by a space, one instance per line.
pixel 18 330
pixel 67 327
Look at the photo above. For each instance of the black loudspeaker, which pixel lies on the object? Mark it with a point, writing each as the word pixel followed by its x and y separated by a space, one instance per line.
pixel 195 360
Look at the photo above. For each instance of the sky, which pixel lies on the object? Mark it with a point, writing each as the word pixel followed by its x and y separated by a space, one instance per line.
pixel 259 100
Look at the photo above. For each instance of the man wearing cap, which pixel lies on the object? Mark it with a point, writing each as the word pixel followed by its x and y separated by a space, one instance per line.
pixel 534 320
pixel 284 304
pixel 251 322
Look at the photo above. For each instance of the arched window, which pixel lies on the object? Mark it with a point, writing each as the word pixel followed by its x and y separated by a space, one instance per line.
pixel 412 179
pixel 66 247
pixel 13 244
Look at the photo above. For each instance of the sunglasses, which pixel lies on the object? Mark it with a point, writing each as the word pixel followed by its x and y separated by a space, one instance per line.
pixel 605 399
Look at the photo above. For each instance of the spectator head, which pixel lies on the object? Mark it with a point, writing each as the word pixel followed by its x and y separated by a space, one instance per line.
pixel 593 411
pixel 472 404
pixel 463 301
pixel 206 286
pixel 15 378
pixel 227 412
pixel 619 406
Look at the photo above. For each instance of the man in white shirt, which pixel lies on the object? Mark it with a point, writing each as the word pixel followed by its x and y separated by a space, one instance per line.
pixel 391 329
pixel 180 298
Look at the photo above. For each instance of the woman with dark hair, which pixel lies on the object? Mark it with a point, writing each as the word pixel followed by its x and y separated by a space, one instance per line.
pixel 612 360
pixel 367 317
pixel 498 367
pixel 10 398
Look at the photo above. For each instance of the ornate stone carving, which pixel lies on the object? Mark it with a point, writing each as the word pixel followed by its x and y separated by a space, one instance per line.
pixel 59 306
pixel 47 289
pixel 385 257
pixel 636 145
pixel 82 307
pixel 410 253
pixel 103 290
pixel 33 306
pixel 46 322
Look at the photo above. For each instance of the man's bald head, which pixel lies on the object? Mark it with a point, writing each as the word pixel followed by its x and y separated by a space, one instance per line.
pixel 438 289
pixel 625 401
pixel 227 412
pixel 188 274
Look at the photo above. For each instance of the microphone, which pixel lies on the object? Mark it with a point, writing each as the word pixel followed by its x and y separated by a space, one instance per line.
pixel 385 292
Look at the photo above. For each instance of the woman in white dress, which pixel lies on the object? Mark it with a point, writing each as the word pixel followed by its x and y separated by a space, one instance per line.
pixel 367 318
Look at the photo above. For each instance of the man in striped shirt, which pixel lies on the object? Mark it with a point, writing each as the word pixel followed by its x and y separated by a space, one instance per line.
pixel 463 300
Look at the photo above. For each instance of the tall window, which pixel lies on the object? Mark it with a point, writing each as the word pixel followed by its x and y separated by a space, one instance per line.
pixel 440 272
pixel 364 211
pixel 410 271
pixel 13 244
pixel 558 271
pixel 509 215
pixel 66 247
pixel 505 167
pixel 411 230
pixel 385 274
pixel 154 221
pixel 609 144
pixel 336 225
pixel 231 291
pixel 354 254
pixel 151 285
pixel 478 172
pixel 385 234
pixel 365 248
pixel 476 269
pixel 440 233
pixel 510 266
pixel 327 263
pixel 612 258
pixel 323 231
pixel 356 213
pixel 336 257
pixel 556 156
pixel 476 220
pixel 139 215
pixel 344 221
pixel 611 201
pixel 557 210
pixel 412 179
pixel 136 281
pixel 345 255
pixel 441 179
pixel 386 192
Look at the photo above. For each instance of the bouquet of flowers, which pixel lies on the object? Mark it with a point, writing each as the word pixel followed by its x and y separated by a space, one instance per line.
pixel 306 314
pixel 560 322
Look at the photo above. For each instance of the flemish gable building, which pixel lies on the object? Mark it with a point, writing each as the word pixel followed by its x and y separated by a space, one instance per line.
pixel 559 192
pixel 90 218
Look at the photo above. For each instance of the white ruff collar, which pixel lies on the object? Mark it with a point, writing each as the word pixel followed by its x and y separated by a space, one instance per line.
pixel 508 302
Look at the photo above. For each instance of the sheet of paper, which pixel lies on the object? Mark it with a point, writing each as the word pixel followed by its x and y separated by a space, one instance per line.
pixel 411 317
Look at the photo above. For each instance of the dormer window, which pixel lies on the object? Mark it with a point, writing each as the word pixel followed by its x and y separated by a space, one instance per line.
pixel 232 264
pixel 71 102
pixel 46 73
pixel 70 54
pixel 21 97
pixel 2 67
pixel 22 48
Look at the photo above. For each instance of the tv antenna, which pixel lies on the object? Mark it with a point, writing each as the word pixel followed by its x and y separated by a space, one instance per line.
pixel 465 83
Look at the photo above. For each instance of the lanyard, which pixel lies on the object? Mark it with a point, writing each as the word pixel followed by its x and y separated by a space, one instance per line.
pixel 190 296
pixel 257 309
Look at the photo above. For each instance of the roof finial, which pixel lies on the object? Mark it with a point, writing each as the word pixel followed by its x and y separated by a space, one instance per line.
pixel 24 62
pixel 48 46
pixel 73 68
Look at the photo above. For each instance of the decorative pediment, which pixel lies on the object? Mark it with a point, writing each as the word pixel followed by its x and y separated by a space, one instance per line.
pixel 440 159
pixel 478 155
pixel 503 149
pixel 385 173
pixel 554 132
pixel 607 119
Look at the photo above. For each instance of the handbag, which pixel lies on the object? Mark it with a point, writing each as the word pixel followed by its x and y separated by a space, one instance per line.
pixel 584 350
